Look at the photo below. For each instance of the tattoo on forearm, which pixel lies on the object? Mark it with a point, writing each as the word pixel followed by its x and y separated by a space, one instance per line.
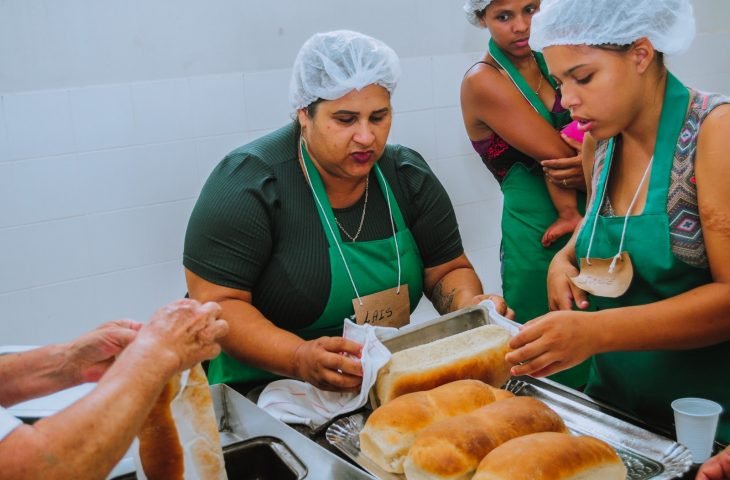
pixel 442 301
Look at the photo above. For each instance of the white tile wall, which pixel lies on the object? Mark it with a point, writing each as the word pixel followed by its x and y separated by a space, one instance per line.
pixel 136 176
pixel 162 111
pixel 134 238
pixel 217 104
pixel 415 87
pixel 267 99
pixel 97 177
pixel 38 124
pixel 44 189
pixel 114 128
pixel 415 130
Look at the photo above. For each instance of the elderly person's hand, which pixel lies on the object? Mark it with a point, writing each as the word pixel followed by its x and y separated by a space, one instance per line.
pixel 330 363
pixel 716 468
pixel 566 172
pixel 183 333
pixel 90 355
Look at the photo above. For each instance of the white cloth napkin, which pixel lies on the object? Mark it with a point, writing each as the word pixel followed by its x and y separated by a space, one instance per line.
pixel 292 401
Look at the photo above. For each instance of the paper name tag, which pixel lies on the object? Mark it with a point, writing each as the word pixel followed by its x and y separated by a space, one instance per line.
pixel 388 308
pixel 596 279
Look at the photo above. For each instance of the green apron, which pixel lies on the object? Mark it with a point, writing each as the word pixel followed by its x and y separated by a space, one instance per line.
pixel 373 267
pixel 527 212
pixel 644 383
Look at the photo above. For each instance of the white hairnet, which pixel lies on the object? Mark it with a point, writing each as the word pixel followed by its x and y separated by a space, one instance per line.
pixel 330 65
pixel 471 7
pixel 668 24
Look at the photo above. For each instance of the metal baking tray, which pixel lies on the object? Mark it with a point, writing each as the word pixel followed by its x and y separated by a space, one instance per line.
pixel 646 455
pixel 450 324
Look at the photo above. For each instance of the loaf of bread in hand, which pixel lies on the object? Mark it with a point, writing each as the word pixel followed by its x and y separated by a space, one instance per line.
pixel 179 439
pixel 552 456
pixel 160 450
pixel 391 429
pixel 452 448
pixel 477 354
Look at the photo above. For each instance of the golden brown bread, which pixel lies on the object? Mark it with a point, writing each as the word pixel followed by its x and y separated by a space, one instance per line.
pixel 452 448
pixel 477 354
pixel 196 405
pixel 391 429
pixel 501 393
pixel 552 456
pixel 179 438
pixel 160 450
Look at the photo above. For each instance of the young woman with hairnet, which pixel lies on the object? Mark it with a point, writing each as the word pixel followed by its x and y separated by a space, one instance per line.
pixel 652 253
pixel 512 115
pixel 299 229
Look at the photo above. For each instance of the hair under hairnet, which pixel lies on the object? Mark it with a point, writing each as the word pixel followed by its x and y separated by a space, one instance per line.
pixel 471 7
pixel 330 65
pixel 668 24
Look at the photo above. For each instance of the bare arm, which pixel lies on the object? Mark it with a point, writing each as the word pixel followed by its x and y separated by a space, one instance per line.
pixel 565 338
pixel 51 368
pixel 88 438
pixel 490 102
pixel 454 285
pixel 255 340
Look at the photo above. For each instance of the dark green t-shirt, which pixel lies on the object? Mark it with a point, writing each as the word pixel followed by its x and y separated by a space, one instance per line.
pixel 255 225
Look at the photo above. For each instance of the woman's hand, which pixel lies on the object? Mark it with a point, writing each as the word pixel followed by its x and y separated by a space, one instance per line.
pixel 716 468
pixel 566 172
pixel 499 302
pixel 552 343
pixel 330 363
pixel 562 293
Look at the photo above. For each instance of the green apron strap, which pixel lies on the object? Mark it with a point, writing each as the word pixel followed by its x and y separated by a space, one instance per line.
pixel 555 119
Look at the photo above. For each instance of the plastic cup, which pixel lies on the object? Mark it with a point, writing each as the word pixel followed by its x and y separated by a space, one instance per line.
pixel 696 423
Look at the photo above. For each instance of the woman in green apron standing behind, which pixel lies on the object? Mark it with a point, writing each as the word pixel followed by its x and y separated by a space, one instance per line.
pixel 653 249
pixel 321 220
pixel 512 114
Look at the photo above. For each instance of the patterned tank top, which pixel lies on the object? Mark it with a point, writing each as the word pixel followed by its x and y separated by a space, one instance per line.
pixel 685 228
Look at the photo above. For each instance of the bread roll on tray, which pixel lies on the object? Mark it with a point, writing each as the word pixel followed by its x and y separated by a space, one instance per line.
pixel 452 448
pixel 477 354
pixel 552 456
pixel 391 429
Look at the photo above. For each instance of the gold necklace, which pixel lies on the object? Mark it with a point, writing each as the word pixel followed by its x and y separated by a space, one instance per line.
pixel 353 238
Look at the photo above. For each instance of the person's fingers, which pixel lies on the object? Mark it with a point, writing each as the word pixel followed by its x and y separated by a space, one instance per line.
pixel 531 366
pixel 342 345
pixel 499 303
pixel 561 163
pixel 580 297
pixel 529 332
pixel 574 144
pixel 211 309
pixel 510 314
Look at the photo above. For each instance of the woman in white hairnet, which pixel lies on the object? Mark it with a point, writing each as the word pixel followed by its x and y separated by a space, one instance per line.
pixel 320 220
pixel 512 115
pixel 652 253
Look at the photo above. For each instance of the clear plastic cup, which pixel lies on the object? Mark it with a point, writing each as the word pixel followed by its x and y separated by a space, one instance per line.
pixel 696 423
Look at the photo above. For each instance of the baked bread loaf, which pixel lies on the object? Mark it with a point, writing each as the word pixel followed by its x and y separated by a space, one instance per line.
pixel 477 353
pixel 160 450
pixel 552 456
pixel 179 439
pixel 452 448
pixel 501 393
pixel 391 429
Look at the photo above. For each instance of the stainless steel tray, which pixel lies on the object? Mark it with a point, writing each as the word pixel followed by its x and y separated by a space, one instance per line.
pixel 646 454
pixel 441 327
